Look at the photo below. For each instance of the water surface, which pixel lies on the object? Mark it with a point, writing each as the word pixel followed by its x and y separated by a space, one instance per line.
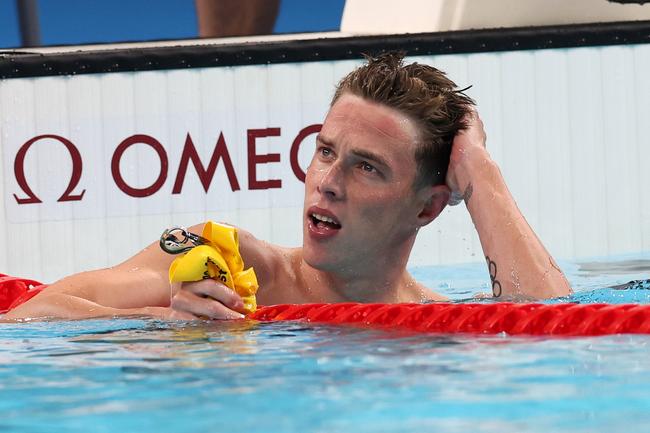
pixel 151 376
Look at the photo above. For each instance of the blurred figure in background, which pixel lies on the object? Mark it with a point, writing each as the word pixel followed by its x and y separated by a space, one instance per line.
pixel 219 18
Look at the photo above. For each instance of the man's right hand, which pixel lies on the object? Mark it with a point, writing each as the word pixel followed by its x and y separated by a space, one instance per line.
pixel 207 299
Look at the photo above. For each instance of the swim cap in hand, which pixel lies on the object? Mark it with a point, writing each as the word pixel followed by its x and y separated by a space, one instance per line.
pixel 219 259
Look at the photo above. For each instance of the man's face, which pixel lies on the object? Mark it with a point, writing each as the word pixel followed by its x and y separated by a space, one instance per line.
pixel 359 198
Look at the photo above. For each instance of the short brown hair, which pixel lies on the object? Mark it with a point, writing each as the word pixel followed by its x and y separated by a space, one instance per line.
pixel 422 92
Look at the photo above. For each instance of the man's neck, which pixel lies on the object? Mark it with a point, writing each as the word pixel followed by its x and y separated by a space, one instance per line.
pixel 382 279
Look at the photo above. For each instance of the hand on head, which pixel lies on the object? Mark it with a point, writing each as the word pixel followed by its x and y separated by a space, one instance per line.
pixel 468 145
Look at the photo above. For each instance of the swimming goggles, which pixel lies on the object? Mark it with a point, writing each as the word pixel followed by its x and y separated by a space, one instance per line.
pixel 178 240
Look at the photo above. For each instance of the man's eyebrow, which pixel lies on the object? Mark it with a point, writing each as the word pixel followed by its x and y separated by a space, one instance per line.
pixel 371 156
pixel 323 140
pixel 357 152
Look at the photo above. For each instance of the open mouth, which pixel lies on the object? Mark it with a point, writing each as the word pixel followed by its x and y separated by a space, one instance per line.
pixel 322 221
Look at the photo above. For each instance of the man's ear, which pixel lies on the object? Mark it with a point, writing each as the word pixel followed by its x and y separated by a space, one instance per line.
pixel 435 199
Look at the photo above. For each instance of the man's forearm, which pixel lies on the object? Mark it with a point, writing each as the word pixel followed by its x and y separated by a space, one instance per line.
pixel 61 306
pixel 518 263
pixel 127 289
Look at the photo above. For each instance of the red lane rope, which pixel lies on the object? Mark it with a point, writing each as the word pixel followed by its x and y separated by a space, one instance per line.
pixel 492 318
pixel 14 291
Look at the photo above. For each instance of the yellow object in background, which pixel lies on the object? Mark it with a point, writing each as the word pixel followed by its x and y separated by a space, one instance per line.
pixel 219 259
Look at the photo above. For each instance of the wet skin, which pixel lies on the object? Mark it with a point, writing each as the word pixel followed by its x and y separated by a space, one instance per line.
pixel 362 176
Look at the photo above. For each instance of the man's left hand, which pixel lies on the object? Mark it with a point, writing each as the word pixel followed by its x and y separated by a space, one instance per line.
pixel 468 148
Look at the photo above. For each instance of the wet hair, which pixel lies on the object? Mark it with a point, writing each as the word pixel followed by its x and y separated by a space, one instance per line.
pixel 423 93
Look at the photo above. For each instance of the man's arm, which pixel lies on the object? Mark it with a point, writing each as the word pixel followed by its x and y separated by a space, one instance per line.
pixel 140 286
pixel 130 288
pixel 518 263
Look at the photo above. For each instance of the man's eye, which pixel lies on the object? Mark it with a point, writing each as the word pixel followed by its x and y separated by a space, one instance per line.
pixel 367 167
pixel 324 151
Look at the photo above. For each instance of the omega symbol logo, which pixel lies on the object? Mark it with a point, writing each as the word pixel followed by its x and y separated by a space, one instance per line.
pixel 19 171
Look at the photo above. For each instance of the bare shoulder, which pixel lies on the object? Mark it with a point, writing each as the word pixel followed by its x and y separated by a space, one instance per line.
pixel 267 259
pixel 263 256
pixel 273 264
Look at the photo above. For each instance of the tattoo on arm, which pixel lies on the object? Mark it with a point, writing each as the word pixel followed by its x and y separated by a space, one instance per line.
pixel 468 192
pixel 496 285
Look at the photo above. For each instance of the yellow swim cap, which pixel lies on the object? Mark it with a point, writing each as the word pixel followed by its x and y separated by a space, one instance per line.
pixel 218 259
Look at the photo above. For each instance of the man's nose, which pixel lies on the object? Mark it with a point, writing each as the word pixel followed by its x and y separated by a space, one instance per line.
pixel 332 182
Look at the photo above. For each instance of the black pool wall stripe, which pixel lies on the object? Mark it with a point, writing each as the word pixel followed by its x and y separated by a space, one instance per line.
pixel 21 64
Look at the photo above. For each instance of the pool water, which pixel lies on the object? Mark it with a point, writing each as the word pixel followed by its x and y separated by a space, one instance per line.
pixel 150 376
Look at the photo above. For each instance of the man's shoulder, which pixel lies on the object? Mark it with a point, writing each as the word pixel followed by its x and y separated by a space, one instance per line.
pixel 269 260
pixel 249 244
pixel 418 292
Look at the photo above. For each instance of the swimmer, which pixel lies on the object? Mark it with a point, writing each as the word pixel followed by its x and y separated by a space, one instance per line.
pixel 400 142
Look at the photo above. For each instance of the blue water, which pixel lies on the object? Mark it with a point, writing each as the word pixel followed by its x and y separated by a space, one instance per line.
pixel 151 376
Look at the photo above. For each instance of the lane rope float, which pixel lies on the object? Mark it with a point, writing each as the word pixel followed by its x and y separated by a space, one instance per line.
pixel 493 318
pixel 473 318
pixel 14 291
